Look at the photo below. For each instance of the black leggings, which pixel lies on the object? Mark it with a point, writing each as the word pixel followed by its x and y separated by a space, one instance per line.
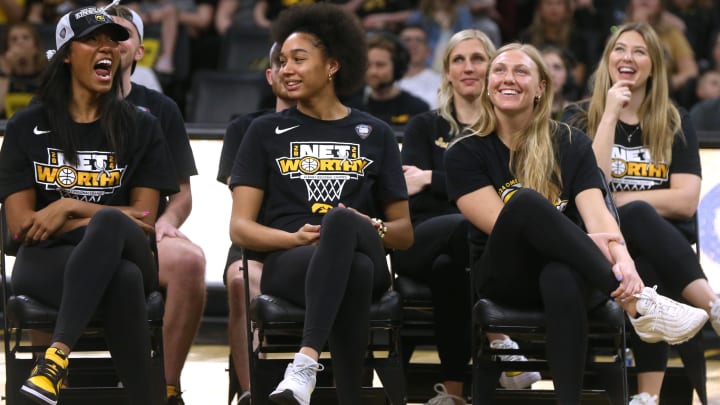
pixel 536 256
pixel 341 276
pixel 111 270
pixel 439 257
pixel 666 259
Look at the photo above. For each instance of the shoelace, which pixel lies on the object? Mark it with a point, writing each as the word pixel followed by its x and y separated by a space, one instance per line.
pixel 303 373
pixel 50 370
pixel 654 307
pixel 442 396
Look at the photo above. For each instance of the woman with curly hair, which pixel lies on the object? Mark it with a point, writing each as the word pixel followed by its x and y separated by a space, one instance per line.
pixel 322 245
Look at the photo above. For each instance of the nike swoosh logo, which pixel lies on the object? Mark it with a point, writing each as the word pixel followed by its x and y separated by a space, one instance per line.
pixel 282 131
pixel 37 131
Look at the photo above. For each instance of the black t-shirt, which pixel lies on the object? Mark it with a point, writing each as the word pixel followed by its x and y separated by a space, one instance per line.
pixel 397 110
pixel 29 158
pixel 475 162
pixel 426 137
pixel 231 142
pixel 633 169
pixel 307 166
pixel 172 123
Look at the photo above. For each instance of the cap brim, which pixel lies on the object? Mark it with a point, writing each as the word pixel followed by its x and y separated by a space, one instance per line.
pixel 116 31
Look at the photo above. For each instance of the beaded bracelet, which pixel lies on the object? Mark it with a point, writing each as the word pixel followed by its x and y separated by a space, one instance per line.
pixel 381 227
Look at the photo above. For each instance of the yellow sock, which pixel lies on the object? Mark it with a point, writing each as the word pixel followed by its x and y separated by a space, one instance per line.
pixel 172 391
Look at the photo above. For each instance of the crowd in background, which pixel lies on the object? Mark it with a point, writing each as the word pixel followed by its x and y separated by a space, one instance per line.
pixel 570 33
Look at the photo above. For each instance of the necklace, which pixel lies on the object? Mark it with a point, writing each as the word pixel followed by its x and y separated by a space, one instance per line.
pixel 628 135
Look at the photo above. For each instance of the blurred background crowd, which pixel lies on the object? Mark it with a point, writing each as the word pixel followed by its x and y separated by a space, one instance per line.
pixel 191 43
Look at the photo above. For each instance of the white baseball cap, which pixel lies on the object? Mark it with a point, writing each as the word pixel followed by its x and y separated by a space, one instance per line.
pixel 83 21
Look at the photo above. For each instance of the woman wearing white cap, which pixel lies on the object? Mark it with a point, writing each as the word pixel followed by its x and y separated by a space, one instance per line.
pixel 64 161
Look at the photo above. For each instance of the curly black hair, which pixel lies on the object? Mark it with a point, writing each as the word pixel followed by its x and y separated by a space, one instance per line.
pixel 338 34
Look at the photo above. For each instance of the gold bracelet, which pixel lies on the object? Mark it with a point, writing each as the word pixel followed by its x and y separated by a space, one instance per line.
pixel 381 227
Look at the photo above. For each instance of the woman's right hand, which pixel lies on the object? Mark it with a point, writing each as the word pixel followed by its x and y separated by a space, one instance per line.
pixel 619 96
pixel 307 235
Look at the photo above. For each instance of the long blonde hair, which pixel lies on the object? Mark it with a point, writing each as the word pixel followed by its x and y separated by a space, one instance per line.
pixel 659 119
pixel 532 155
pixel 445 92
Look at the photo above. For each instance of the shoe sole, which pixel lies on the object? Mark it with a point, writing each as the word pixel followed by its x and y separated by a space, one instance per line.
pixel 36 396
pixel 285 397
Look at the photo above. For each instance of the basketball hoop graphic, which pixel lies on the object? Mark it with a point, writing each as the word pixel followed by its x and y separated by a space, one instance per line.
pixel 324 167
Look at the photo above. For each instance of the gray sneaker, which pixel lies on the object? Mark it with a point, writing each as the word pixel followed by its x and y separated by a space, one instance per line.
pixel 664 319
pixel 298 383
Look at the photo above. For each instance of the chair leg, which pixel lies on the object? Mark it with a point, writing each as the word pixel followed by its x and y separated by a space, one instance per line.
pixel 485 380
pixel 233 384
pixel 391 375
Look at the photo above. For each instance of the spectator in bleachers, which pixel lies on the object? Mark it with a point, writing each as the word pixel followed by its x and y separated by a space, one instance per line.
pixel 648 151
pixel 181 262
pixel 12 11
pixel 485 16
pixel 266 11
pixel 237 332
pixel 699 26
pixel 563 86
pixel 196 16
pixel 387 15
pixel 441 19
pixel 419 79
pixel 50 11
pixel 440 255
pixel 387 62
pixel 680 58
pixel 20 67
pixel 552 24
pixel 708 85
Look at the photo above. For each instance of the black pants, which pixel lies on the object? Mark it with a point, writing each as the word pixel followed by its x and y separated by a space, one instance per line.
pixel 663 257
pixel 536 256
pixel 439 258
pixel 335 281
pixel 111 269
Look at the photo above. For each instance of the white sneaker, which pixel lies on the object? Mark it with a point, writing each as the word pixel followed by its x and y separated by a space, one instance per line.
pixel 664 319
pixel 643 398
pixel 443 398
pixel 514 380
pixel 715 316
pixel 298 383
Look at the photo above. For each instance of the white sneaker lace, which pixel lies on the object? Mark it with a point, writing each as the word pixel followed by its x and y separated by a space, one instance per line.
pixel 302 373
pixel 442 396
pixel 643 398
pixel 655 306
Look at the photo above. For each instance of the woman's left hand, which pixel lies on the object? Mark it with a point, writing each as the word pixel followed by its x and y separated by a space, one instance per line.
pixel 630 281
pixel 376 225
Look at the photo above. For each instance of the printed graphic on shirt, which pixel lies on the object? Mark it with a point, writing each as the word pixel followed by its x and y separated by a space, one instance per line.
pixel 324 167
pixel 96 174
pixel 511 187
pixel 633 169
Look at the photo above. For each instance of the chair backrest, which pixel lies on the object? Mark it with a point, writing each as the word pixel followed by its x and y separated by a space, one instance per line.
pixel 217 97
pixel 244 49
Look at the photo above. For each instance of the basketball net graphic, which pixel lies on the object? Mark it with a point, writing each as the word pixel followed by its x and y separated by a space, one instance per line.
pixel 324 188
pixel 324 167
